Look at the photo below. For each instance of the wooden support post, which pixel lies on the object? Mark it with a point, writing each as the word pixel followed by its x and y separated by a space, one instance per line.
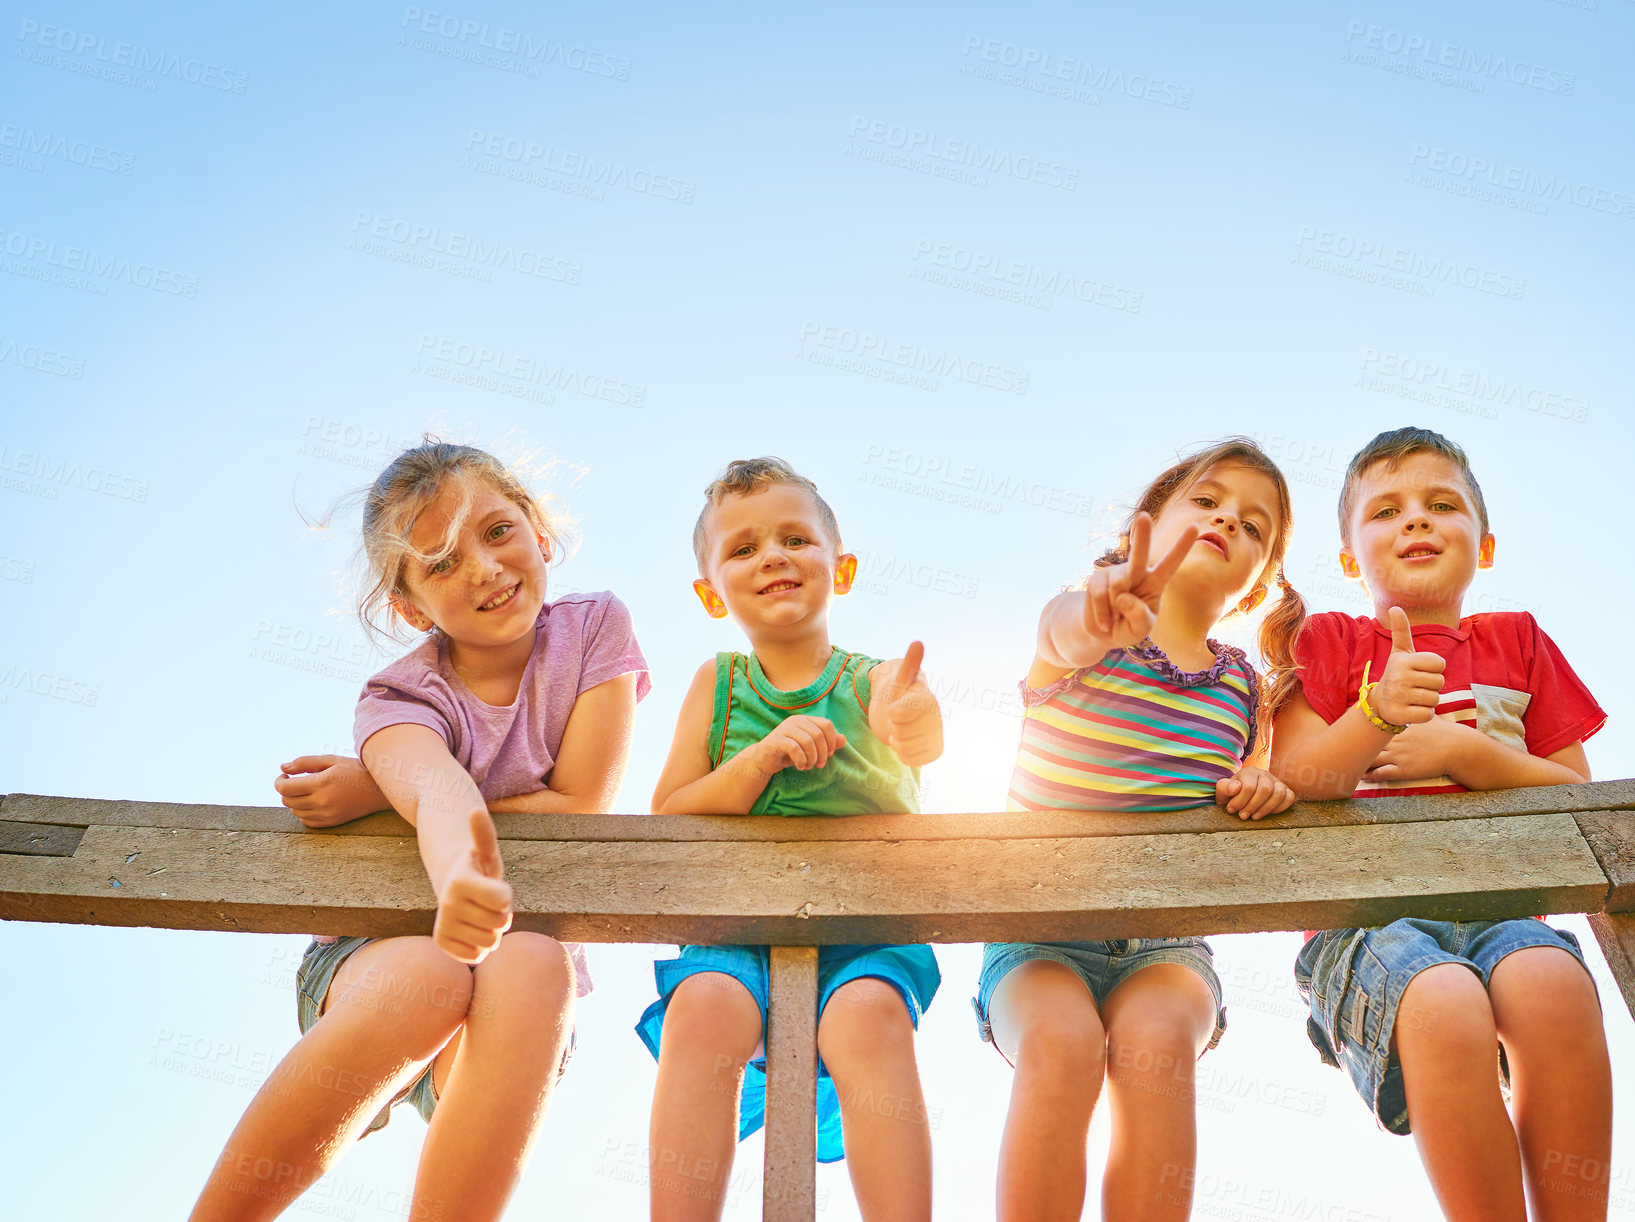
pixel 1616 934
pixel 790 1185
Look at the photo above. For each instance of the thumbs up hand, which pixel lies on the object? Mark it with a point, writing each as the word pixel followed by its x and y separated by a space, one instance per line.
pixel 904 713
pixel 474 903
pixel 1408 691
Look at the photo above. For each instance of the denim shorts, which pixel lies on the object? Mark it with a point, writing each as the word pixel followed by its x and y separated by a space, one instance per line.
pixel 910 970
pixel 1102 965
pixel 1353 981
pixel 312 980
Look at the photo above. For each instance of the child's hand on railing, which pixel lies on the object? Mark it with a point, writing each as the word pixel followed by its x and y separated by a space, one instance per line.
pixel 800 742
pixel 1424 751
pixel 1253 793
pixel 912 717
pixel 474 903
pixel 328 790
pixel 1408 691
pixel 1121 601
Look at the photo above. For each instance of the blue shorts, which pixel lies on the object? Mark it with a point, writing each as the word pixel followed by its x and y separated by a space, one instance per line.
pixel 911 970
pixel 1353 981
pixel 1102 965
pixel 312 980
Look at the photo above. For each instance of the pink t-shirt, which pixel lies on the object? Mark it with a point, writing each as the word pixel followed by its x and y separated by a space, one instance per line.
pixel 580 641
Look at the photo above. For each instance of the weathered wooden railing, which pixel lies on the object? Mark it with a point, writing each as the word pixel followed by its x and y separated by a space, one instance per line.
pixel 801 883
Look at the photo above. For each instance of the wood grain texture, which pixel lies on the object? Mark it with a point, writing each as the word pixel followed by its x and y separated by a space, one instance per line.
pixel 1611 837
pixel 1616 934
pixel 789 1191
pixel 825 892
pixel 1012 825
pixel 39 839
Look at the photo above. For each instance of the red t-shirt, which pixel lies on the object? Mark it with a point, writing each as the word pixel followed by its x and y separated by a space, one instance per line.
pixel 1504 676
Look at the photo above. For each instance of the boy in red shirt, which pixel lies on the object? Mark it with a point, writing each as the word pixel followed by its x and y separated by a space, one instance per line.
pixel 1415 1009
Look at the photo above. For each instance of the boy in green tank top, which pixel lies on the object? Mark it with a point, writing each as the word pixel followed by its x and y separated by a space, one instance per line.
pixel 797 727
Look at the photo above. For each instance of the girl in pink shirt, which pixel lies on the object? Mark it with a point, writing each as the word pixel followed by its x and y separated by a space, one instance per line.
pixel 510 703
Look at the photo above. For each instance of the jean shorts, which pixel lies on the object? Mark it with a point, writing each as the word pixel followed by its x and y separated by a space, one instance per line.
pixel 1353 981
pixel 312 980
pixel 1102 965
pixel 911 970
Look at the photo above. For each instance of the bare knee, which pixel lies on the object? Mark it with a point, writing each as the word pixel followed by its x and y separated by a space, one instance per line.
pixel 1153 1042
pixel 865 1022
pixel 1445 1011
pixel 533 963
pixel 712 1014
pixel 1068 1044
pixel 411 981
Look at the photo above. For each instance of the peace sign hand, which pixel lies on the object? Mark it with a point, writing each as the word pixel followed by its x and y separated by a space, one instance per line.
pixel 1121 601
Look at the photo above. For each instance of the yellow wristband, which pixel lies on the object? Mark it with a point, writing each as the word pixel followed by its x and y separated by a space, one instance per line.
pixel 1362 699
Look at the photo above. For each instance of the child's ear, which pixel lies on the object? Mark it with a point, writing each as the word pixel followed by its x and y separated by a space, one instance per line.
pixel 408 612
pixel 1484 554
pixel 1349 566
pixel 711 600
pixel 845 573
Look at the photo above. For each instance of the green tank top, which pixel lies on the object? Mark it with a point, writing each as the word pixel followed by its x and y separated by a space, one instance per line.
pixel 864 777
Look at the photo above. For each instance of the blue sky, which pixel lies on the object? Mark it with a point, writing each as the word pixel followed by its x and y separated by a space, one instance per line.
pixel 980 273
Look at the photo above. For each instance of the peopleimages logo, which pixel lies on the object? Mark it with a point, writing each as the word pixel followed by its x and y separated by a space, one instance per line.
pixel 532 155
pixel 530 48
pixel 82 267
pixel 1335 251
pixel 464 254
pixel 1550 188
pixel 1463 390
pixel 1435 60
pixel 1052 74
pixel 86 153
pixel 127 55
pixel 968 154
pixel 912 358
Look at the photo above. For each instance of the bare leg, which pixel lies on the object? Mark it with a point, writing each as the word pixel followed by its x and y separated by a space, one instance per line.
pixel 711 1029
pixel 1045 1022
pixel 1446 1038
pixel 1159 1021
pixel 1548 1016
pixel 866 1040
pixel 392 1005
pixel 495 1083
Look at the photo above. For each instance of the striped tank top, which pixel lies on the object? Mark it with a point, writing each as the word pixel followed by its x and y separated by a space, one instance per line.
pixel 1135 732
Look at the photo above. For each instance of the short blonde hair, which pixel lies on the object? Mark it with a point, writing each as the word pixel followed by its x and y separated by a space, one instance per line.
pixel 748 475
pixel 1391 448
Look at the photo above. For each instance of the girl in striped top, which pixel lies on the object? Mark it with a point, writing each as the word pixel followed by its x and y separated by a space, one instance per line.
pixel 1131 707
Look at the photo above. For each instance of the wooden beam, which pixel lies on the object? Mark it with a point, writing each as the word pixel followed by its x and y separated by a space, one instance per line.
pixel 789 1187
pixel 1611 837
pixel 839 891
pixel 1002 825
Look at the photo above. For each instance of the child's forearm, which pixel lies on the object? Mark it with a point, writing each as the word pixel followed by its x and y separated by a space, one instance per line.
pixel 548 801
pixel 430 790
pixel 1489 764
pixel 731 789
pixel 1329 764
